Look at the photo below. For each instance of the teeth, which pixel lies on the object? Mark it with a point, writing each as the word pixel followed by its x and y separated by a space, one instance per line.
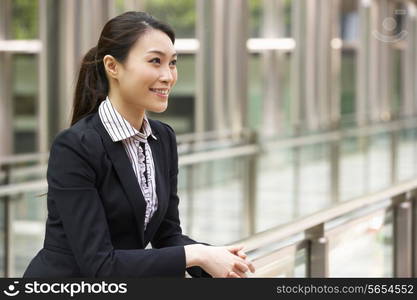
pixel 164 92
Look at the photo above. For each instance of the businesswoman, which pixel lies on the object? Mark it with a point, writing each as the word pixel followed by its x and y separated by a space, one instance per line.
pixel 112 176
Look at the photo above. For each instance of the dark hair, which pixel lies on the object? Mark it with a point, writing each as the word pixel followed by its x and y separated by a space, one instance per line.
pixel 116 39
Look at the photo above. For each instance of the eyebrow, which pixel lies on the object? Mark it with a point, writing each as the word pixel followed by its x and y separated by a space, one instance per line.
pixel 161 53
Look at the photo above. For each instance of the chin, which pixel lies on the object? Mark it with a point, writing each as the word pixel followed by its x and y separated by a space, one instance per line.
pixel 158 109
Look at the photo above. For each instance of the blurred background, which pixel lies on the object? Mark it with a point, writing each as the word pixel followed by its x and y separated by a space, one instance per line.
pixel 295 121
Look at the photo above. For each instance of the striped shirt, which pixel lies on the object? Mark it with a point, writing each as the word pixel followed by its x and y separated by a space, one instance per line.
pixel 137 148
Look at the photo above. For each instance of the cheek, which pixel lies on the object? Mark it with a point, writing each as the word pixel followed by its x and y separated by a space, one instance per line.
pixel 174 76
pixel 138 80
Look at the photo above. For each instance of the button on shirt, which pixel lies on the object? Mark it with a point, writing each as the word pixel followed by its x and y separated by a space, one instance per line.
pixel 137 148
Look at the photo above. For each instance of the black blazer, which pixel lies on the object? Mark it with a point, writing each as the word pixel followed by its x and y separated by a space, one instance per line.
pixel 96 210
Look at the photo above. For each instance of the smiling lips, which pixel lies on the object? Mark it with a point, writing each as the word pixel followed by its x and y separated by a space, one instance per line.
pixel 160 92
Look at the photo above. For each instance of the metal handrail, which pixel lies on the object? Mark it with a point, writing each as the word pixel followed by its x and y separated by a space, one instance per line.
pixel 210 135
pixel 267 143
pixel 199 157
pixel 304 223
pixel 38 169
pixel 23 158
pixel 400 198
pixel 19 188
pixel 335 135
pixel 187 159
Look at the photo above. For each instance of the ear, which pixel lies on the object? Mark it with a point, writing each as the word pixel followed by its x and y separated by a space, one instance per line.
pixel 111 66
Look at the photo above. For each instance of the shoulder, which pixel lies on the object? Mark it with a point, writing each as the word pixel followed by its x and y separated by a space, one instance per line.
pixel 76 150
pixel 81 137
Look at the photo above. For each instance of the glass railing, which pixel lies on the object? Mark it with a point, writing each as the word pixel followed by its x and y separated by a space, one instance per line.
pixel 371 238
pixel 363 247
pixel 293 179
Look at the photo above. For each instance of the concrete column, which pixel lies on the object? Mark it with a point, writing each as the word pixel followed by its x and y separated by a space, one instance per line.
pixel 204 67
pixel 272 70
pixel 237 64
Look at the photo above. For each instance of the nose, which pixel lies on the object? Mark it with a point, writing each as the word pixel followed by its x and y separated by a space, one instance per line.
pixel 166 75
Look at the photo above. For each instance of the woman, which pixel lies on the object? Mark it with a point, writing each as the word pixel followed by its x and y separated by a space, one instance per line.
pixel 112 176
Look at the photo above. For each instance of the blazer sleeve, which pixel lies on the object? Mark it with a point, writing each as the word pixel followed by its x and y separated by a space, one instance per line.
pixel 169 232
pixel 71 188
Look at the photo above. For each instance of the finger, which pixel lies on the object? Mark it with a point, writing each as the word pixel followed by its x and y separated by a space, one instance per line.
pixel 242 254
pixel 232 275
pixel 250 266
pixel 239 253
pixel 240 274
pixel 235 248
pixel 242 267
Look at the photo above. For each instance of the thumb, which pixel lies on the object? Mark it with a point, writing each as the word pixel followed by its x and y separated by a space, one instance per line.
pixel 235 248
pixel 242 254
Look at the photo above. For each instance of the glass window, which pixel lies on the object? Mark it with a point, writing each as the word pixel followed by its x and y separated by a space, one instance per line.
pixel 25 21
pixel 255 94
pixel 256 18
pixel 350 20
pixel 288 18
pixel 399 32
pixel 120 6
pixel 286 93
pixel 348 87
pixel 397 80
pixel 349 35
pixel 180 14
pixel 24 99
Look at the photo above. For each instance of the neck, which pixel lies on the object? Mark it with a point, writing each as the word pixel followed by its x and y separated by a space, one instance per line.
pixel 131 113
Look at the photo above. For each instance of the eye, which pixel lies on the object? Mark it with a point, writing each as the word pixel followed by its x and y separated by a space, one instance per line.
pixel 155 60
pixel 174 62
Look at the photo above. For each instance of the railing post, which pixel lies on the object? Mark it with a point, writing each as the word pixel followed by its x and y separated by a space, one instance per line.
pixel 402 236
pixel 394 156
pixel 190 196
pixel 296 187
pixel 318 258
pixel 250 189
pixel 335 171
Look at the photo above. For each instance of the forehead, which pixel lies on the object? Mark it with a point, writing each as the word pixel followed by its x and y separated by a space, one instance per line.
pixel 153 40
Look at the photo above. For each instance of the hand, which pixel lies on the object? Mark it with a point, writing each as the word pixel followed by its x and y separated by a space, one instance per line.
pixel 222 262
pixel 238 250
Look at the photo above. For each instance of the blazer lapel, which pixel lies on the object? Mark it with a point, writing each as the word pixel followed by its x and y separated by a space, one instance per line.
pixel 160 181
pixel 127 176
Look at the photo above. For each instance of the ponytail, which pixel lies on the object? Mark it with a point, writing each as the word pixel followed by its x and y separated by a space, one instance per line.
pixel 92 86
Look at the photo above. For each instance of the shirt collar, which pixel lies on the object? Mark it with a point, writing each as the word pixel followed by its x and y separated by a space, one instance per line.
pixel 118 127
